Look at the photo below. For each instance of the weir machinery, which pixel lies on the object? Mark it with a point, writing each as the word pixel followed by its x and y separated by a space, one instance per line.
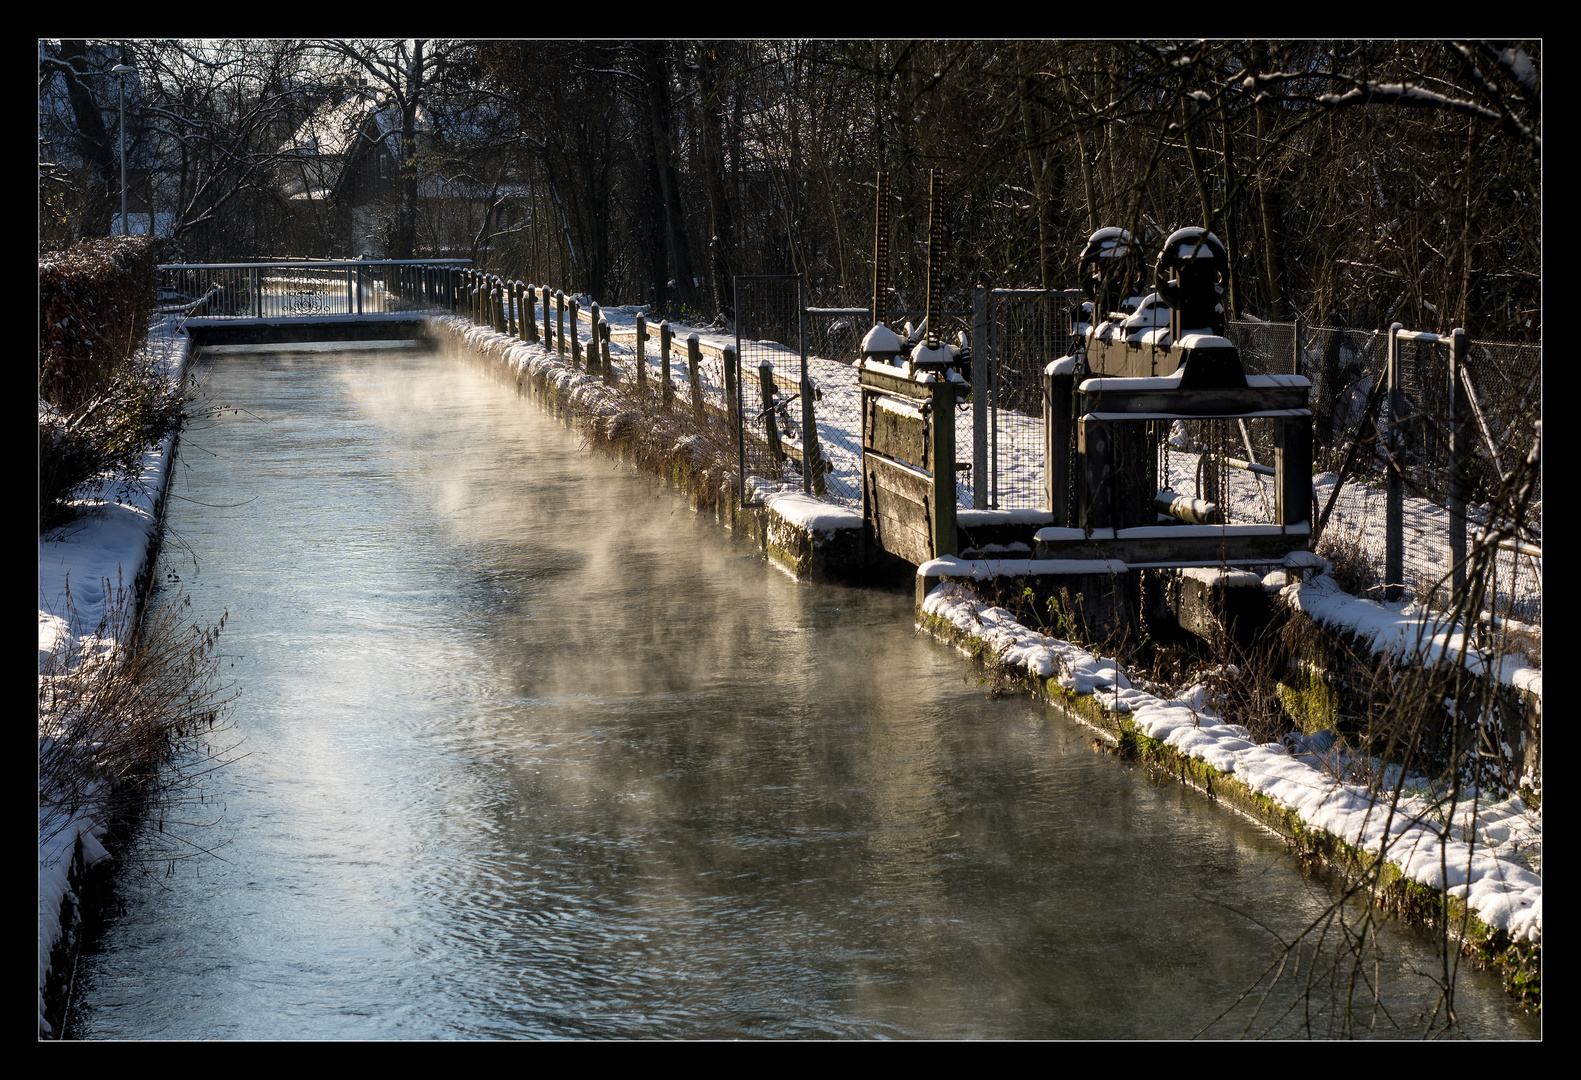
pixel 1147 367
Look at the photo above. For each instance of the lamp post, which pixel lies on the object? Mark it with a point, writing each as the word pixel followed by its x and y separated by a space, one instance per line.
pixel 121 71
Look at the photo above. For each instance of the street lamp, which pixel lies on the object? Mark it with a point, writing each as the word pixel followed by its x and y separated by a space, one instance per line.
pixel 121 71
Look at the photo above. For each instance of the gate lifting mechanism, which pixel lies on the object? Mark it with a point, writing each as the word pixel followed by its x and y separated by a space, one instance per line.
pixel 909 389
pixel 1154 359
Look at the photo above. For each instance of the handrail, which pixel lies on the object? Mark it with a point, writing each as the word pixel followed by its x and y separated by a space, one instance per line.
pixel 311 263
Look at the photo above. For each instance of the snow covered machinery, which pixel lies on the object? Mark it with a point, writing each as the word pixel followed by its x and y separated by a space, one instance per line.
pixel 909 389
pixel 1109 406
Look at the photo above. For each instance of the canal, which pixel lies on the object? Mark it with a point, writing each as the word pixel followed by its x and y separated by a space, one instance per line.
pixel 529 749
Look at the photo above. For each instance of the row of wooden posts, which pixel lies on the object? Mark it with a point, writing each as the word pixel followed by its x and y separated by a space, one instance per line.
pixel 510 307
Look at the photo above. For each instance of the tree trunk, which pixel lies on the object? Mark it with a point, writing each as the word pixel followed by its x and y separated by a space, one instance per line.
pixel 658 79
pixel 93 141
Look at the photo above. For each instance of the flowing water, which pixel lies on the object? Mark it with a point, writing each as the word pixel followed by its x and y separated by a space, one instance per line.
pixel 533 750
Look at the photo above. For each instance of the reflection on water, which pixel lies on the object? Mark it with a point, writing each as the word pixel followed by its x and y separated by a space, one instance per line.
pixel 533 751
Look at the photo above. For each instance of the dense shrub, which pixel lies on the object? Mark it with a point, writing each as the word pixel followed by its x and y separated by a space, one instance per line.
pixel 94 303
pixel 102 399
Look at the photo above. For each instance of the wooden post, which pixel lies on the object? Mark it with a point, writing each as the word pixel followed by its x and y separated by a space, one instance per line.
pixel 770 418
pixel 1135 479
pixel 576 333
pixel 559 321
pixel 1095 444
pixel 595 357
pixel 694 372
pixel 667 387
pixel 603 348
pixel 732 410
pixel 1460 437
pixel 642 351
pixel 1394 483
pixel 942 430
pixel 530 313
pixel 1058 392
pixel 812 457
pixel 1293 470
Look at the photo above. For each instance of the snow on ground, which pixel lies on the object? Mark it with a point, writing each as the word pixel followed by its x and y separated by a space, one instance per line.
pixel 101 552
pixel 1490 854
pixel 1358 512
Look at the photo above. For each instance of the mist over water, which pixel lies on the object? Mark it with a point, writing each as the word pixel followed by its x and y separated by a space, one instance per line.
pixel 532 750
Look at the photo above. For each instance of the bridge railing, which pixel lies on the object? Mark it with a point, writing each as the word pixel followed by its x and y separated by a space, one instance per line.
pixel 308 289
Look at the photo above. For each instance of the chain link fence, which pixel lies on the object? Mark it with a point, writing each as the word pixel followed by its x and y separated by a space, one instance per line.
pixel 1504 383
pixel 768 336
pixel 1027 329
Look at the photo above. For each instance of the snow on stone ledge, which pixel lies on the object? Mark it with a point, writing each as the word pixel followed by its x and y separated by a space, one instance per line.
pixel 811 513
pixel 1401 629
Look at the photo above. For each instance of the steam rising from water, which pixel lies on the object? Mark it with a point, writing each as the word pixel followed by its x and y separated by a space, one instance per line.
pixel 536 751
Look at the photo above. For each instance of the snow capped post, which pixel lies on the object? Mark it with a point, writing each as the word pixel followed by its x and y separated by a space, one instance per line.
pixel 576 332
pixel 530 313
pixel 603 348
pixel 642 351
pixel 694 374
pixel 667 388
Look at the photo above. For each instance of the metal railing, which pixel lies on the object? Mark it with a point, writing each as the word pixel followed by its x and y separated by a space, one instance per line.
pixel 301 289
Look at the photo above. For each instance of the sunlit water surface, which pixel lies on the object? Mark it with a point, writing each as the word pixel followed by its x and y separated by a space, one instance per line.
pixel 533 750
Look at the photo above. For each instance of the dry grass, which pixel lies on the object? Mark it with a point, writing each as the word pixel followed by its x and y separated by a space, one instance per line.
pixel 127 716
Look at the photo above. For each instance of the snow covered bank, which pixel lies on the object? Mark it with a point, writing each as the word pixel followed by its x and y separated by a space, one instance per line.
pixel 1406 629
pixel 81 567
pixel 1486 857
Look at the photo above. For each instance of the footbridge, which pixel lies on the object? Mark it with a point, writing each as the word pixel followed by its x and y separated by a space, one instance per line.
pixel 309 300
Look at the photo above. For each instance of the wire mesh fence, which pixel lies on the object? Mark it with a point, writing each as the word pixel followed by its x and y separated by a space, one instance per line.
pixel 1027 329
pixel 768 344
pixel 1504 383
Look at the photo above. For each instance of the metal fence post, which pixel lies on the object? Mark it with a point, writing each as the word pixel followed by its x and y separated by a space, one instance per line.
pixel 1394 491
pixel 733 414
pixel 980 398
pixel 814 473
pixel 811 460
pixel 1459 459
